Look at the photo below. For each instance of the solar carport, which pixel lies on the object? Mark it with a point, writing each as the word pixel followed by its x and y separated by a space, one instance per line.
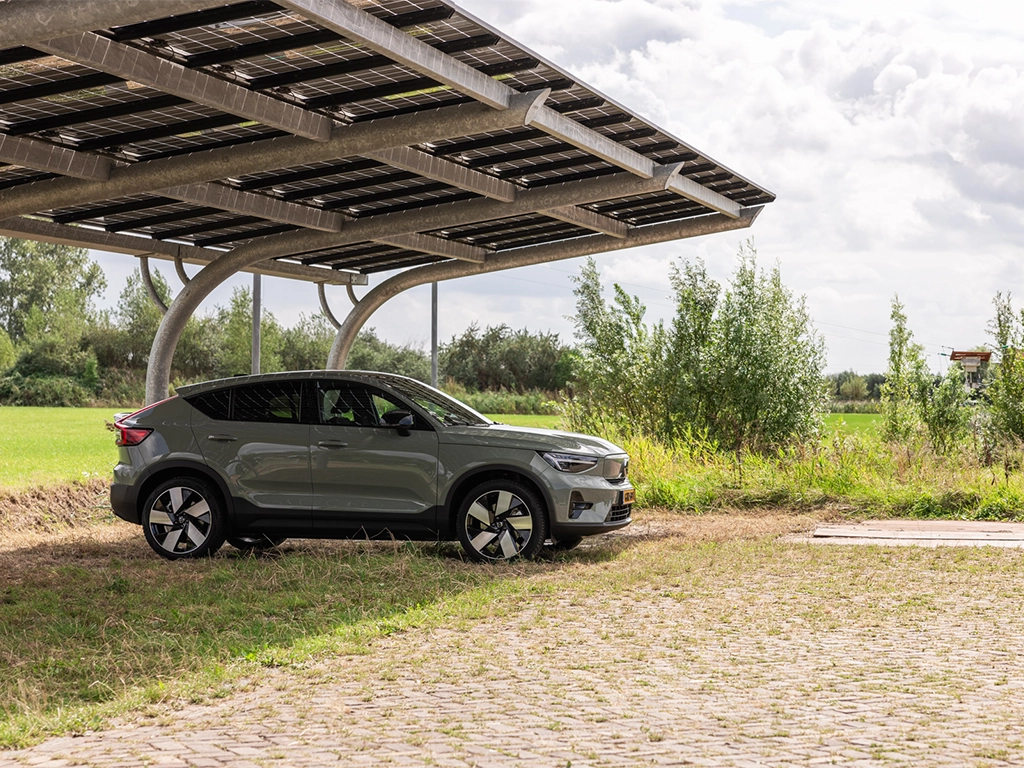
pixel 327 141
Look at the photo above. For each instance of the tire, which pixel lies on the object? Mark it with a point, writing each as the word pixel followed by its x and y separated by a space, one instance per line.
pixel 183 518
pixel 564 545
pixel 259 543
pixel 502 520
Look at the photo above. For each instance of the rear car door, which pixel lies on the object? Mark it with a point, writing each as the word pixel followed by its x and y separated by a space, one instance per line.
pixel 369 478
pixel 256 438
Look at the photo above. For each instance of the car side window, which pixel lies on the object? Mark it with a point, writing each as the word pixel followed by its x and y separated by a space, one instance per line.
pixel 350 404
pixel 215 405
pixel 345 404
pixel 270 401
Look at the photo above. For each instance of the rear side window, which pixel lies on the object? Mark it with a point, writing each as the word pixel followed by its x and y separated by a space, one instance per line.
pixel 215 405
pixel 272 401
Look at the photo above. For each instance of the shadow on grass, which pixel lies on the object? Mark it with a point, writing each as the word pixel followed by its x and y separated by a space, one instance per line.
pixel 90 628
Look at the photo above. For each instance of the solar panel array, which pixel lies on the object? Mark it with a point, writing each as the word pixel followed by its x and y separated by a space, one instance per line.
pixel 264 47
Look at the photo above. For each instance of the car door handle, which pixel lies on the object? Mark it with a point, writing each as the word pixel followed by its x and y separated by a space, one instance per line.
pixel 223 438
pixel 332 444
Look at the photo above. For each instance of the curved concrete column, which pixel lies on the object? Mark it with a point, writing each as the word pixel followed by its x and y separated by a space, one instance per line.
pixel 522 257
pixel 158 375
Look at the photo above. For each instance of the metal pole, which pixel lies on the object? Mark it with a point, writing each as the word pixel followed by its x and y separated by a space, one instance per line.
pixel 433 334
pixel 257 312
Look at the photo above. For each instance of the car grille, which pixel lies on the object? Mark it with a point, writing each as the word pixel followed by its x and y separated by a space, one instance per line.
pixel 618 513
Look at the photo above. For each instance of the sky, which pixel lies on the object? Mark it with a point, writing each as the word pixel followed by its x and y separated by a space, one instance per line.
pixel 892 133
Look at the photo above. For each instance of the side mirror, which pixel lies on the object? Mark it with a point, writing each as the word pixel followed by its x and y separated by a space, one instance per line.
pixel 403 421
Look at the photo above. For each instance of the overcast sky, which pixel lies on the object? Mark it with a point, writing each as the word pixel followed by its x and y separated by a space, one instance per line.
pixel 892 133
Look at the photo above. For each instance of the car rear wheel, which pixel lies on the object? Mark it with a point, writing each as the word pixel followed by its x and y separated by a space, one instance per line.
pixel 183 518
pixel 502 520
pixel 255 543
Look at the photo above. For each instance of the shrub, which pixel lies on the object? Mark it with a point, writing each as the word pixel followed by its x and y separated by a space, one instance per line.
pixel 499 358
pixel 743 366
pixel 1006 391
pixel 535 402
pixel 903 379
pixel 53 391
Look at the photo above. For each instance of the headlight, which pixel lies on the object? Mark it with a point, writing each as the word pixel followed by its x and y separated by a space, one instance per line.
pixel 570 462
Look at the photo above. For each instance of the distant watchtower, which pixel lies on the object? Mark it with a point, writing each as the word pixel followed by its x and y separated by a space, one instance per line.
pixel 972 362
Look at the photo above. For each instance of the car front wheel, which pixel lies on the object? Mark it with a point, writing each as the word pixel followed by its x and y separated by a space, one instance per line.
pixel 183 518
pixel 502 520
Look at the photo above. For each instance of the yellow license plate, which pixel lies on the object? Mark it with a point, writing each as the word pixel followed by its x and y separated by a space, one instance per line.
pixel 628 497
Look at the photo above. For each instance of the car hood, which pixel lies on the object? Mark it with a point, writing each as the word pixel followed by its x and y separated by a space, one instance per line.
pixel 529 438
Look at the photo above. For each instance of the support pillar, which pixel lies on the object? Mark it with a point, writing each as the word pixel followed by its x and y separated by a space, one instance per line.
pixel 433 334
pixel 147 279
pixel 257 318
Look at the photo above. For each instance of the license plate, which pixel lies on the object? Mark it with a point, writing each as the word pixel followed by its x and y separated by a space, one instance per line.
pixel 628 497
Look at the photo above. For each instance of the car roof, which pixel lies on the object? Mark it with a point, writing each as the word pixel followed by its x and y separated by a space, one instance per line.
pixel 366 377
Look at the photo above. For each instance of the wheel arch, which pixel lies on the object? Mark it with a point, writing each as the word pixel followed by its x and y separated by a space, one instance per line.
pixel 182 468
pixel 461 487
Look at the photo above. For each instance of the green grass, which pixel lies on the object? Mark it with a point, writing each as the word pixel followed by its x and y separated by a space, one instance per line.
pixel 853 422
pixel 44 446
pixel 521 420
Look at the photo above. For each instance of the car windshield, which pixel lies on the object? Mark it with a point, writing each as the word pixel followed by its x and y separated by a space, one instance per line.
pixel 445 409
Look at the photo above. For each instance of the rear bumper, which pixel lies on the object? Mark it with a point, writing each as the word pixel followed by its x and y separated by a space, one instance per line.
pixel 124 501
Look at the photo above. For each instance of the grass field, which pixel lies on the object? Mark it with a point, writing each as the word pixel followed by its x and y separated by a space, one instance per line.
pixel 43 446
pixel 860 423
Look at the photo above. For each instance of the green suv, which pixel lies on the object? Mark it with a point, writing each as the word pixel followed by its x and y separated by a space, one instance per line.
pixel 254 460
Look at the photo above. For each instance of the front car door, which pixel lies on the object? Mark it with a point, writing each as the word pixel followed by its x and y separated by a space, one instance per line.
pixel 255 436
pixel 368 479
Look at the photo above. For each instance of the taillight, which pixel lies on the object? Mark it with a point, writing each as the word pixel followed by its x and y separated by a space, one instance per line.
pixel 131 435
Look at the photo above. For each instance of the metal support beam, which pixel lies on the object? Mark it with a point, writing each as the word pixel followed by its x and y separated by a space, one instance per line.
pixel 322 293
pixel 257 318
pixel 581 217
pixel 28 21
pixel 568 130
pixel 253 204
pixel 379 36
pixel 657 233
pixel 269 154
pixel 351 294
pixel 61 234
pixel 692 190
pixel 433 334
pixel 40 156
pixel 170 77
pixel 437 246
pixel 147 279
pixel 438 169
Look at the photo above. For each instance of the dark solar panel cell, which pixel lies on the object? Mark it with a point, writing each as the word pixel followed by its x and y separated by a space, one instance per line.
pixel 91 115
pixel 192 20
pixel 157 132
pixel 335 255
pixel 165 218
pixel 306 174
pixel 208 226
pixel 42 90
pixel 247 235
pixel 111 210
pixel 19 54
pixel 414 204
pixel 417 261
pixel 348 186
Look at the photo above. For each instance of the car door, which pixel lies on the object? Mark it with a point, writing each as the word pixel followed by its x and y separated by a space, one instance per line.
pixel 256 438
pixel 368 478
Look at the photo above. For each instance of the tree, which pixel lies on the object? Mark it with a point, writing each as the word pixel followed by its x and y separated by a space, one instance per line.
pixel 370 353
pixel 234 355
pixel 743 366
pixel 903 379
pixel 943 410
pixel 854 388
pixel 7 353
pixel 1006 390
pixel 59 281
pixel 500 358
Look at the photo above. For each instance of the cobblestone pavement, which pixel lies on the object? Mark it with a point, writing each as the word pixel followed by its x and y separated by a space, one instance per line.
pixel 647 677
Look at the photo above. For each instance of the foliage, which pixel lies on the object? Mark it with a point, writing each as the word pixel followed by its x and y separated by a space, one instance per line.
pixel 371 353
pixel 942 409
pixel 234 354
pixel 532 402
pixel 499 358
pixel 742 367
pixel 904 379
pixel 52 390
pixel 306 345
pixel 57 281
pixel 1006 390
pixel 8 355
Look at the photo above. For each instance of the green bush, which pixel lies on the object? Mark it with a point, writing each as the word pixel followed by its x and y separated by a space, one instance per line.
pixel 499 358
pixel 742 366
pixel 52 391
